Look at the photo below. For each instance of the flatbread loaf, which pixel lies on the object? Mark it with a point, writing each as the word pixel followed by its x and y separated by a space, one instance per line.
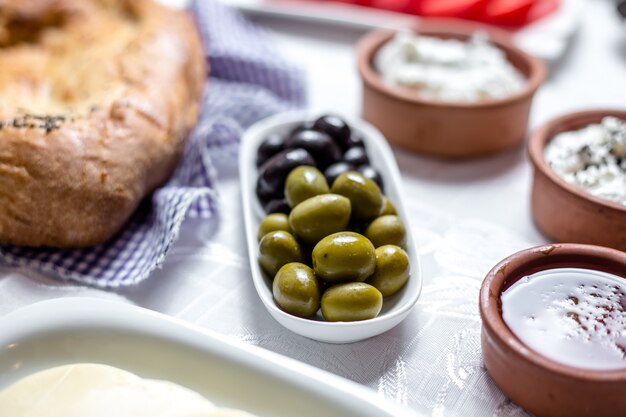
pixel 96 100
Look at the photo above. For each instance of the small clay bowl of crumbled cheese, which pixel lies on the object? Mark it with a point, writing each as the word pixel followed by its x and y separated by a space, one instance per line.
pixel 579 185
pixel 449 88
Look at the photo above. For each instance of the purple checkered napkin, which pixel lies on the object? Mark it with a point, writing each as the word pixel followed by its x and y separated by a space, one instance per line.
pixel 249 81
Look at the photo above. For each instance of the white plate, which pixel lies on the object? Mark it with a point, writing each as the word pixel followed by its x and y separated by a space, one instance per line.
pixel 547 38
pixel 396 307
pixel 152 345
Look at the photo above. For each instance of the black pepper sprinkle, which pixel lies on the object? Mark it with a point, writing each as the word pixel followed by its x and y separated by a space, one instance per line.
pixel 585 150
pixel 52 122
pixel 29 121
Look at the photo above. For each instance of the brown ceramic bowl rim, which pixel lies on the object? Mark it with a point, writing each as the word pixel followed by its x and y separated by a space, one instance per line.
pixel 531 260
pixel 371 42
pixel 544 134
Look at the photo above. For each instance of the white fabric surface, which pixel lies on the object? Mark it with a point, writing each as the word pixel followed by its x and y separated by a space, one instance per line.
pixel 466 217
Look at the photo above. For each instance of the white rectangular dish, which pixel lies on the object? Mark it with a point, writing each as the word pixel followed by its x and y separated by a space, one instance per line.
pixel 547 38
pixel 152 345
pixel 396 307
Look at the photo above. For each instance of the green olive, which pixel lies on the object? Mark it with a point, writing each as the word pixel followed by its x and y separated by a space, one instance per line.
pixel 276 249
pixel 344 256
pixel 386 230
pixel 392 270
pixel 296 290
pixel 320 216
pixel 388 207
pixel 351 301
pixel 363 193
pixel 273 222
pixel 304 182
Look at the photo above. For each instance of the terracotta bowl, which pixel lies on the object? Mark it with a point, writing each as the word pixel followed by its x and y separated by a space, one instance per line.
pixel 538 384
pixel 445 128
pixel 565 212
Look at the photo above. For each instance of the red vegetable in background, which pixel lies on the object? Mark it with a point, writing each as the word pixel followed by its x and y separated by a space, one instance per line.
pixel 507 12
pixel 540 9
pixel 450 8
pixel 511 13
pixel 405 6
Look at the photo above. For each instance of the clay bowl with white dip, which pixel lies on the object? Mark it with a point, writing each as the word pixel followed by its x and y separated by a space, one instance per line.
pixel 554 329
pixel 470 98
pixel 579 184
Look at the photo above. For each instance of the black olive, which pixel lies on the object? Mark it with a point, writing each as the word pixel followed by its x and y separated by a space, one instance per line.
pixel 278 205
pixel 356 140
pixel 336 128
pixel 332 172
pixel 356 156
pixel 318 144
pixel 372 174
pixel 273 173
pixel 308 125
pixel 265 194
pixel 273 144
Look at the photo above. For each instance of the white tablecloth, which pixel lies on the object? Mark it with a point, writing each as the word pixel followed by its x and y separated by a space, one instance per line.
pixel 466 216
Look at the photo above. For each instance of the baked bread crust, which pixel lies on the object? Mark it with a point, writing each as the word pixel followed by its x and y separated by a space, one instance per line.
pixel 96 100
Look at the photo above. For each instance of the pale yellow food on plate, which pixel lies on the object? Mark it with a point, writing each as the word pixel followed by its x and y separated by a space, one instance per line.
pixel 93 390
pixel 96 100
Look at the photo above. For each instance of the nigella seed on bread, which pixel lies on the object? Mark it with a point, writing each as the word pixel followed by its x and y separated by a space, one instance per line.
pixel 97 98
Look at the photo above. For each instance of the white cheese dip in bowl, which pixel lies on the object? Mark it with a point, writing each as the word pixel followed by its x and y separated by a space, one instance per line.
pixel 579 181
pixel 451 89
pixel 448 69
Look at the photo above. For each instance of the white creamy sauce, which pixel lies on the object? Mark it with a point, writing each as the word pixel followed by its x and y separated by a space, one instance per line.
pixel 91 390
pixel 571 315
pixel 593 158
pixel 448 69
